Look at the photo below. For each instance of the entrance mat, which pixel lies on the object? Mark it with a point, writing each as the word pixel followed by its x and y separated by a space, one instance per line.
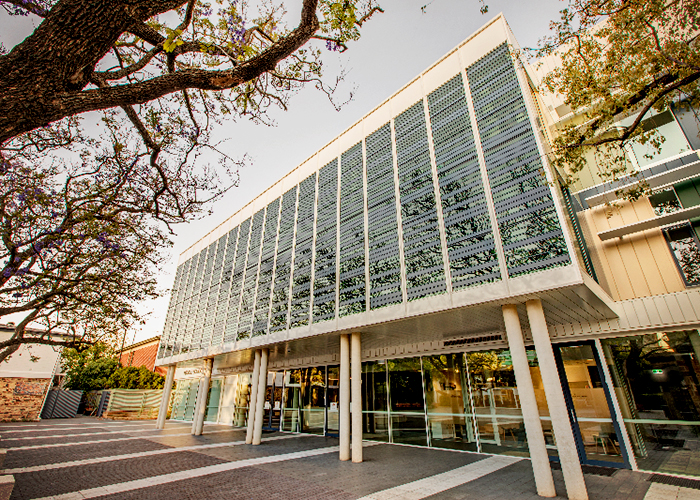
pixel 596 470
pixel 675 481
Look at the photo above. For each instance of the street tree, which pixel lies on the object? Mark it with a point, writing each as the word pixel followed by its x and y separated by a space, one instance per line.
pixel 106 141
pixel 620 62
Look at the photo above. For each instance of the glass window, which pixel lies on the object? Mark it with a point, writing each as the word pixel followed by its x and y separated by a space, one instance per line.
pixel 313 399
pixel 598 435
pixel 375 416
pixel 665 202
pixel 213 401
pixel 667 127
pixel 407 407
pixel 333 400
pixel 657 381
pixel 292 400
pixel 446 397
pixel 242 401
pixel 496 404
pixel 685 247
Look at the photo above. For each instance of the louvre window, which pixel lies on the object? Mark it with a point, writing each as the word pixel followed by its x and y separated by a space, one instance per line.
pixel 531 234
pixel 470 243
pixel 301 277
pixel 267 263
pixel 326 243
pixel 283 264
pixel 425 273
pixel 245 318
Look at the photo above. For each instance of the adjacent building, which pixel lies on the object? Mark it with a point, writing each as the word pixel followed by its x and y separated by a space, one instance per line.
pixel 26 377
pixel 142 353
pixel 491 309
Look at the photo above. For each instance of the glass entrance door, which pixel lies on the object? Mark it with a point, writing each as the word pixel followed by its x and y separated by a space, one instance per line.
pixel 273 401
pixel 595 429
pixel 333 401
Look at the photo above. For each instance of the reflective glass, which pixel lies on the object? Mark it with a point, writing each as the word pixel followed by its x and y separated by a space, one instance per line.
pixel 313 398
pixel 407 408
pixel 657 381
pixel 213 401
pixel 291 401
pixel 242 401
pixel 446 396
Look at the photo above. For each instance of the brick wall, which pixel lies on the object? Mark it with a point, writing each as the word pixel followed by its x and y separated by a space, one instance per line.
pixel 21 398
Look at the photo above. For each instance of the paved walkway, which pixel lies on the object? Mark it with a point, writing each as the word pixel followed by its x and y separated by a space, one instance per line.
pixel 93 458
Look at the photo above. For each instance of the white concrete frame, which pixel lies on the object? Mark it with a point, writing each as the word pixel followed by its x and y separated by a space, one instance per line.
pixel 563 432
pixel 344 389
pixel 252 404
pixel 165 398
pixel 528 403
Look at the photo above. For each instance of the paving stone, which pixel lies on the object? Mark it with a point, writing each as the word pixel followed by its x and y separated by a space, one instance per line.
pixel 42 456
pixel 320 476
pixel 57 481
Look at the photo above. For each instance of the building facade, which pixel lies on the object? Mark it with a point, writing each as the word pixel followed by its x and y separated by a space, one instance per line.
pixel 494 311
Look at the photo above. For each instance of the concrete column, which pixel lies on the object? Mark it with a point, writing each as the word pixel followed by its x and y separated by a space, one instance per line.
pixel 165 399
pixel 202 395
pixel 356 367
pixel 528 403
pixel 260 403
pixel 568 454
pixel 253 398
pixel 344 424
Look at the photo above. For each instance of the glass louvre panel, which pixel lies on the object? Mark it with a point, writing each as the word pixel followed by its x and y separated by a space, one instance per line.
pixel 384 261
pixel 326 243
pixel 214 287
pixel 470 243
pixel 267 264
pixel 193 301
pixel 301 278
pixel 351 274
pixel 165 347
pixel 224 290
pixel 530 230
pixel 236 282
pixel 245 319
pixel 180 316
pixel 199 335
pixel 283 264
pixel 422 248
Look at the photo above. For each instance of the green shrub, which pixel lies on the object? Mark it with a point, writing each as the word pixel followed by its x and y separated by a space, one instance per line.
pixel 132 377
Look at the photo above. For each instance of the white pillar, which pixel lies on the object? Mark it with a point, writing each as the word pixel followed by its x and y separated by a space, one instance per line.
pixel 165 399
pixel 566 444
pixel 253 398
pixel 260 406
pixel 528 403
pixel 344 425
pixel 356 367
pixel 202 396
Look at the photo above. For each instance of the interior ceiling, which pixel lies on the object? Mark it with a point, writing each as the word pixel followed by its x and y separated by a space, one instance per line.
pixel 561 306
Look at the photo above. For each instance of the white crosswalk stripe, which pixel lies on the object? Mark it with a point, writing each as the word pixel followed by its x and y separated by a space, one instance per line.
pixel 97 460
pixel 112 440
pixel 441 482
pixel 187 474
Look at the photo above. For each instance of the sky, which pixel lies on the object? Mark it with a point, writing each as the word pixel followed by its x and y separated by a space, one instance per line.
pixel 395 46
